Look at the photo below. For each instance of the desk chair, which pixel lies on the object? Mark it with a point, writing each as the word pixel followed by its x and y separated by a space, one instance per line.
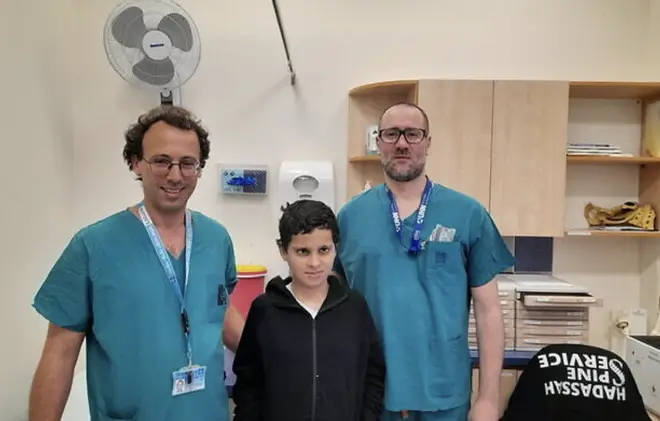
pixel 576 383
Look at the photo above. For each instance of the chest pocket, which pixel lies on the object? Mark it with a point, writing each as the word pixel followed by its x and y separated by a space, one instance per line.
pixel 444 276
pixel 443 259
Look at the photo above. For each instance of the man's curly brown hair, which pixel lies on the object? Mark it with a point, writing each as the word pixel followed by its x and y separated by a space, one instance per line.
pixel 172 115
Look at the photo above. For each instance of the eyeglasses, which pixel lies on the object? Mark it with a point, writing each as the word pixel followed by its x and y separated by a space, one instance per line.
pixel 392 135
pixel 161 166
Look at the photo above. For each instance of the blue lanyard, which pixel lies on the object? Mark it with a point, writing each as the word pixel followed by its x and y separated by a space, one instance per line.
pixel 415 246
pixel 169 270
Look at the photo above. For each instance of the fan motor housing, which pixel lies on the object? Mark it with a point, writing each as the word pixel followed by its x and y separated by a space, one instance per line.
pixel 156 45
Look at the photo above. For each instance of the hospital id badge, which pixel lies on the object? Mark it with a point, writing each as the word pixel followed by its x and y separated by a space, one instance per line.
pixel 188 379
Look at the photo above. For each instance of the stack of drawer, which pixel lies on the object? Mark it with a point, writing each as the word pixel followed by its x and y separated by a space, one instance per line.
pixel 540 310
pixel 507 294
pixel 536 328
pixel 551 311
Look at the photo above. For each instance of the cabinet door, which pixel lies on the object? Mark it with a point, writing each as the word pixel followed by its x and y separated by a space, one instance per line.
pixel 528 159
pixel 508 381
pixel 460 114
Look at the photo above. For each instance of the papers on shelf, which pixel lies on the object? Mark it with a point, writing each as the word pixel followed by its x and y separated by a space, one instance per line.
pixel 594 149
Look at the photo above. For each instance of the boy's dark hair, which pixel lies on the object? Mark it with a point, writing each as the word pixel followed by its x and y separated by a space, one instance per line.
pixel 304 216
pixel 172 115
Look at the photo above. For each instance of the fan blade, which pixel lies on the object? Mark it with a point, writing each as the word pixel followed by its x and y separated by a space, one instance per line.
pixel 154 72
pixel 178 29
pixel 128 28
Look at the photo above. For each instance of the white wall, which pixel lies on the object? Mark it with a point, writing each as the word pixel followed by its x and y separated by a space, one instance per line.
pixel 37 179
pixel 64 166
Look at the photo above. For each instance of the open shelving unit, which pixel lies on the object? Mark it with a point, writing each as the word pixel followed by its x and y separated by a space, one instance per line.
pixel 649 166
pixel 642 170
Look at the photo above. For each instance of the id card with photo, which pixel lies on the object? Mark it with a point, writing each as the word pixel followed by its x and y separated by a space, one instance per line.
pixel 188 379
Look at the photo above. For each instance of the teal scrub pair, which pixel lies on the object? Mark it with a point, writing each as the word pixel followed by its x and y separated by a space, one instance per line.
pixel 109 283
pixel 455 414
pixel 420 301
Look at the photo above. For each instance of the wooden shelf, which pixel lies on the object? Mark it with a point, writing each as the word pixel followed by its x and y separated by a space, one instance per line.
pixel 574 159
pixel 364 158
pixel 616 160
pixel 615 90
pixel 599 233
pixel 393 87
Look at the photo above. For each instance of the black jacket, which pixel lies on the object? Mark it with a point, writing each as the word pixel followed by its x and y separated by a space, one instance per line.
pixel 291 367
pixel 566 382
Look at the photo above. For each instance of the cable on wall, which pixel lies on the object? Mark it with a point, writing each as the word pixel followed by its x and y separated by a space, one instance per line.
pixel 292 73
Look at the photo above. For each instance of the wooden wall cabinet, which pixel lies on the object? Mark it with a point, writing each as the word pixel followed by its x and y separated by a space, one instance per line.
pixel 496 141
pixel 461 117
pixel 503 143
pixel 508 381
pixel 528 158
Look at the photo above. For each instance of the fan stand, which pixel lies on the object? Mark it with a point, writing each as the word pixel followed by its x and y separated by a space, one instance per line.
pixel 166 97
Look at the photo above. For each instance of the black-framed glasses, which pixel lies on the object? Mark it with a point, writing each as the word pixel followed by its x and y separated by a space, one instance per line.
pixel 392 135
pixel 161 166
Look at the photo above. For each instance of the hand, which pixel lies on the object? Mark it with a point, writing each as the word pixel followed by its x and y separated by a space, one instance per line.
pixel 483 410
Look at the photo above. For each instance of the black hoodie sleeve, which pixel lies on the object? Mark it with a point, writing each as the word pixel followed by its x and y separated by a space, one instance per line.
pixel 374 388
pixel 248 389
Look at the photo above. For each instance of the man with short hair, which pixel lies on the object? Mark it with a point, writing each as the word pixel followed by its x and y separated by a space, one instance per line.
pixel 148 288
pixel 418 251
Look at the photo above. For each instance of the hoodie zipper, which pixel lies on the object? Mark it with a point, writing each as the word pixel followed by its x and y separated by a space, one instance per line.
pixel 314 357
pixel 314 369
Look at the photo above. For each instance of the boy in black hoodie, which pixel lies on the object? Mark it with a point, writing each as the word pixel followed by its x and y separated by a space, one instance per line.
pixel 309 350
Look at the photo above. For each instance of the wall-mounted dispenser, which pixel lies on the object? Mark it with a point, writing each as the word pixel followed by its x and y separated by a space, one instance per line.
pixel 306 180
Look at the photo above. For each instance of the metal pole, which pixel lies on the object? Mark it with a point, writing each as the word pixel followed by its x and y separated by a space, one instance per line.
pixel 292 73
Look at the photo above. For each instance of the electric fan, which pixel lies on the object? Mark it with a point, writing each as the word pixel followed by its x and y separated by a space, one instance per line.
pixel 152 44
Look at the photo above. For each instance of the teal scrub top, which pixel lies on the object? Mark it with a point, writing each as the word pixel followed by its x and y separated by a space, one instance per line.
pixel 109 283
pixel 421 303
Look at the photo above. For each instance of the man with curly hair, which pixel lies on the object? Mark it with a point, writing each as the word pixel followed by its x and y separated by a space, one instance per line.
pixel 148 288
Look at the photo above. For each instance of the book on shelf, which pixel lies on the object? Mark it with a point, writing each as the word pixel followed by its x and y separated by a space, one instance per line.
pixel 594 149
pixel 619 228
